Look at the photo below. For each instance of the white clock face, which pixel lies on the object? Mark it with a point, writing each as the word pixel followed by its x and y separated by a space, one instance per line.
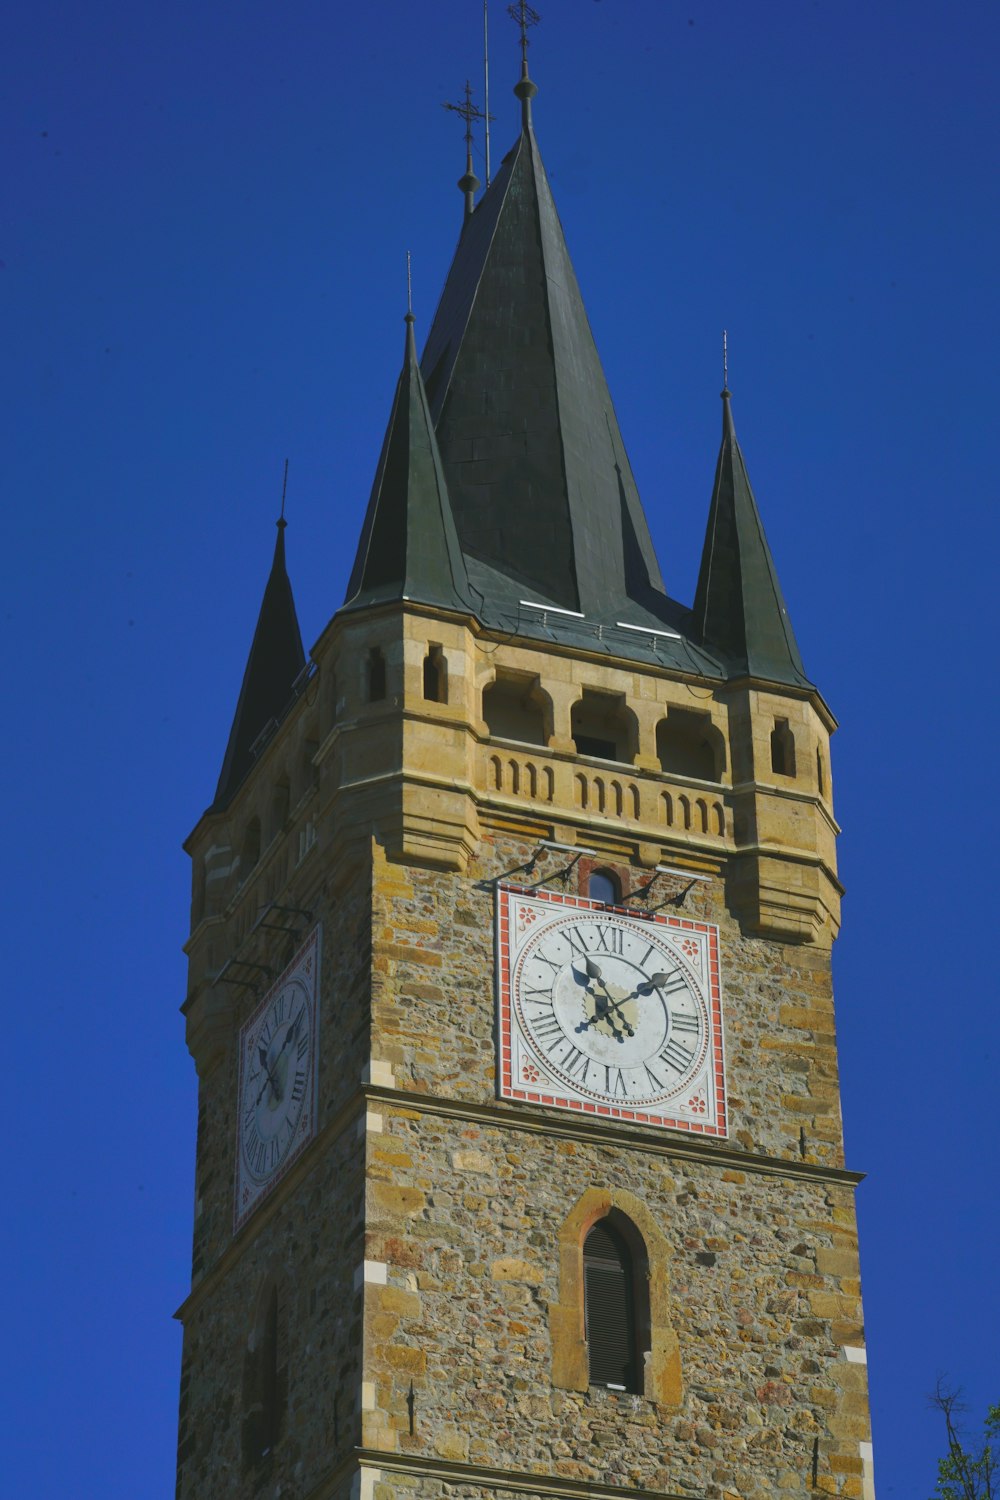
pixel 610 1013
pixel 277 1088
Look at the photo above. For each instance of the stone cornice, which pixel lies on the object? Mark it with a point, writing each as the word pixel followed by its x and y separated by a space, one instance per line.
pixel 557 1124
pixel 483 1476
pixel 562 1125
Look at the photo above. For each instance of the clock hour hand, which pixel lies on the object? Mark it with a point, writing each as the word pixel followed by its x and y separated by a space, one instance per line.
pixel 605 1005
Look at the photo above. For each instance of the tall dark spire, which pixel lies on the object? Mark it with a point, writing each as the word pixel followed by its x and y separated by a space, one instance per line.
pixel 739 608
pixel 541 489
pixel 409 547
pixel 276 659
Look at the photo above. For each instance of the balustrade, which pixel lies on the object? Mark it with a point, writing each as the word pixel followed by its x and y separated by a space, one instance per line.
pixel 609 794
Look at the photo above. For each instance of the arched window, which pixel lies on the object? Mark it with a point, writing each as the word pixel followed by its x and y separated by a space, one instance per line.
pixel 609 1290
pixel 435 676
pixel 376 675
pixel 782 749
pixel 604 886
pixel 265 1385
pixel 612 1250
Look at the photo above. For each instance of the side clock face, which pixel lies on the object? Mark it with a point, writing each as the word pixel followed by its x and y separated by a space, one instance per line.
pixel 277 1087
pixel 611 1013
pixel 274 1094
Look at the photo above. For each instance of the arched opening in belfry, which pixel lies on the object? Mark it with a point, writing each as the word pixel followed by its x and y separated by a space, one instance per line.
pixel 515 708
pixel 603 727
pixel 689 744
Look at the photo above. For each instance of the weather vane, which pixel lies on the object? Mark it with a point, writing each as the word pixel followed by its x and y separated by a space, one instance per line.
pixel 468 112
pixel 469 182
pixel 524 15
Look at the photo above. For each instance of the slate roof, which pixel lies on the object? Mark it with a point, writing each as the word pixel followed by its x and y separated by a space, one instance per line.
pixel 409 547
pixel 739 608
pixel 276 659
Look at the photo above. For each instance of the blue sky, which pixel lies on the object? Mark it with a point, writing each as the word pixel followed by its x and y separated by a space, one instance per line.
pixel 203 273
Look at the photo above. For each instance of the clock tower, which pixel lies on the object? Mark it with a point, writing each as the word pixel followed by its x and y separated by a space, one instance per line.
pixel 519 1163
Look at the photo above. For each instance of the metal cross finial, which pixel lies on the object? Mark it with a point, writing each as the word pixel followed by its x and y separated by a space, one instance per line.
pixel 725 361
pixel 468 112
pixel 284 488
pixel 524 15
pixel 409 287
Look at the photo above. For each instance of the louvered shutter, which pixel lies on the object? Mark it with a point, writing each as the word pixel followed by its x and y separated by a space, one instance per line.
pixel 610 1308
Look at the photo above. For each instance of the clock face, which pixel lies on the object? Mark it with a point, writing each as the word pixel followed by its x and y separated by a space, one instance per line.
pixel 610 1013
pixel 276 1107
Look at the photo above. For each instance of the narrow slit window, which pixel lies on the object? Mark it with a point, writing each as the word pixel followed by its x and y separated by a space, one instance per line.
pixel 782 749
pixel 376 675
pixel 435 676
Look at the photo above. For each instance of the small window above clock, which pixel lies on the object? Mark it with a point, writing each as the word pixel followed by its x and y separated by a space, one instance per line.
pixel 604 886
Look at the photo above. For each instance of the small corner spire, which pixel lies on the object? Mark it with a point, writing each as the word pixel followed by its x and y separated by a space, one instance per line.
pixel 739 608
pixel 524 16
pixel 468 183
pixel 276 659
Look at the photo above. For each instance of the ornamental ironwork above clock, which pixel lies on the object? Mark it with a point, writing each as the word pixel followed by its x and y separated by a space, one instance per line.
pixel 276 1114
pixel 611 1013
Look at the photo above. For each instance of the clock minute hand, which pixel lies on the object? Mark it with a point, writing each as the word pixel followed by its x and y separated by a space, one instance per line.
pixel 605 1007
pixel 291 1033
pixel 647 987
